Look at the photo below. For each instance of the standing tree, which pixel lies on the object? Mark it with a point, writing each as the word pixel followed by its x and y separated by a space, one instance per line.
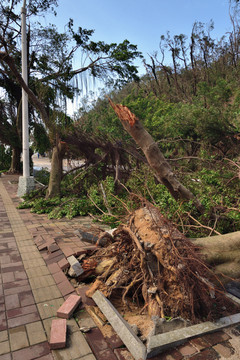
pixel 51 71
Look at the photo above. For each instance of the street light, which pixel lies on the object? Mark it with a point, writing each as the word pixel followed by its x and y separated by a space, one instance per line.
pixel 26 182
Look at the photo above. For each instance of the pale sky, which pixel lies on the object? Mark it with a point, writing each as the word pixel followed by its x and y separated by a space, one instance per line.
pixel 142 22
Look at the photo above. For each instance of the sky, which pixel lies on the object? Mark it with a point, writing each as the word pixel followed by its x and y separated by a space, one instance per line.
pixel 142 22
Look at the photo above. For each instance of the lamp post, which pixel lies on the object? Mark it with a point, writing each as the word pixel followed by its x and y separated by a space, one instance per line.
pixel 26 182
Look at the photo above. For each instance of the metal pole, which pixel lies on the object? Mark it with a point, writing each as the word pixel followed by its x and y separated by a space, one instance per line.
pixel 25 131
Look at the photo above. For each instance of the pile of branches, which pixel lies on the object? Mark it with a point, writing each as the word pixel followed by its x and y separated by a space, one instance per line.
pixel 152 262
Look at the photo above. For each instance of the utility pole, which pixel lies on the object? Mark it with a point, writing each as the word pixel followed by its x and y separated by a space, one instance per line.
pixel 26 182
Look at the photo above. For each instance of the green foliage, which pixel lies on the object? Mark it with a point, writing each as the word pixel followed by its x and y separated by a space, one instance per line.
pixel 5 157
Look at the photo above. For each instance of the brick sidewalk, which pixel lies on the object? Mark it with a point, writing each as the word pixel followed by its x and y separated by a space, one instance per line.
pixel 33 286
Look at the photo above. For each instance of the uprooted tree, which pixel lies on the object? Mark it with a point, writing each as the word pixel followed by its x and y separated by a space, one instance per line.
pixel 150 261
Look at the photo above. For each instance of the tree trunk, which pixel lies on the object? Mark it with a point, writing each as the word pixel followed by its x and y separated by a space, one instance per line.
pixel 154 156
pixel 222 252
pixel 54 186
pixel 15 161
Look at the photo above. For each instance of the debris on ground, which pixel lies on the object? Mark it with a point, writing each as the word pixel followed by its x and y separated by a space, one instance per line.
pixel 150 261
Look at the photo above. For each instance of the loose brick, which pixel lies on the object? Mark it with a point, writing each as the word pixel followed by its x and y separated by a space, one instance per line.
pixel 53 247
pixel 68 307
pixel 114 341
pixel 63 264
pixel 199 343
pixel 58 334
pixel 85 300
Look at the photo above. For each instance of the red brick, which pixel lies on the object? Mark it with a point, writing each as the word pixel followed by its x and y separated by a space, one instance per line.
pixel 69 306
pixel 207 354
pixel 32 352
pixel 54 260
pixel 15 284
pixel 53 268
pixel 21 311
pixel 171 354
pixel 12 301
pixel 96 341
pixel 68 251
pixel 3 322
pixel 58 334
pixel 216 337
pixel 43 246
pixel 20 275
pixel 106 354
pixel 114 341
pixel 187 349
pixel 65 288
pixel 17 290
pixel 86 300
pixel 26 298
pixel 199 343
pixel 53 247
pixel 224 349
pixel 63 264
pixel 24 319
pixel 8 277
pixel 5 357
pixel 59 277
pixel 123 354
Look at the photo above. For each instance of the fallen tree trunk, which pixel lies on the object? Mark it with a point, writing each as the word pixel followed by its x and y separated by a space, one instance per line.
pixel 223 253
pixel 155 158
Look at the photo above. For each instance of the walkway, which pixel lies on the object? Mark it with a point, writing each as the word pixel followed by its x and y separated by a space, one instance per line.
pixel 33 250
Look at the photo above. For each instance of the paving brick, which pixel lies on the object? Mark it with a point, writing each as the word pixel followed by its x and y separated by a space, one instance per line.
pixel 32 352
pixel 40 271
pixel 12 301
pixel 26 298
pixel 36 333
pixel 46 293
pixel 46 357
pixel 53 268
pixel 224 349
pixel 96 341
pixel 66 287
pixel 85 299
pixel 17 290
pixel 4 348
pixel 53 247
pixel 69 306
pixel 199 343
pixel 7 357
pixel 84 319
pixel 3 336
pixel 216 337
pixel 58 334
pixel 49 309
pixel 77 349
pixel 8 277
pixel 41 281
pixel 18 338
pixel 22 320
pixel 63 264
pixel 21 311
pixel 3 321
pixel 59 277
pixel 2 307
pixel 106 354
pixel 54 260
pixel 207 354
pixel 20 275
pixel 15 284
pixel 68 251
pixel 123 354
pixel 114 341
pixel 187 349
pixel 11 268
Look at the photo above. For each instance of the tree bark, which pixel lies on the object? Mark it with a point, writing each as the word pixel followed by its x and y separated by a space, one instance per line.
pixel 54 186
pixel 155 158
pixel 15 161
pixel 222 252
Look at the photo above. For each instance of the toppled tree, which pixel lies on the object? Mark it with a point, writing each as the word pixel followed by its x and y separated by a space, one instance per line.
pixel 150 259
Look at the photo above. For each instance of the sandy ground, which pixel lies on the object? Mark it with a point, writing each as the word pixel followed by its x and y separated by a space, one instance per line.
pixel 44 162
